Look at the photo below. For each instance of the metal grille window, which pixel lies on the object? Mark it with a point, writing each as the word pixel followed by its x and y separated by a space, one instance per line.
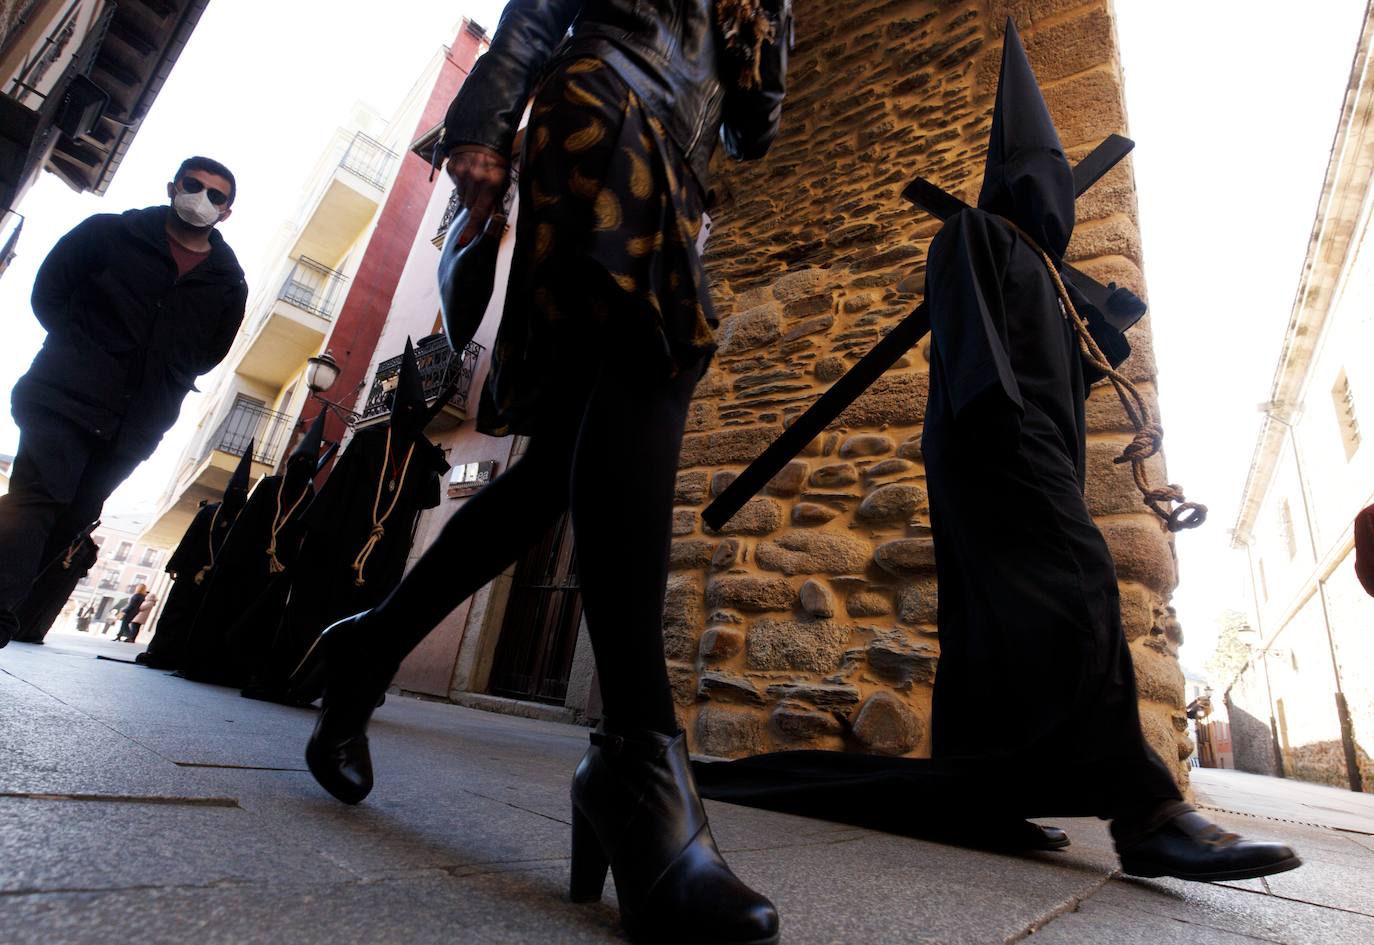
pixel 439 365
pixel 369 159
pixel 248 421
pixel 124 548
pixel 1343 399
pixel 313 287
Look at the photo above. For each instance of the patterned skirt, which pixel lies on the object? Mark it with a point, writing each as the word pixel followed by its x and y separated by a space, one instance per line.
pixel 605 273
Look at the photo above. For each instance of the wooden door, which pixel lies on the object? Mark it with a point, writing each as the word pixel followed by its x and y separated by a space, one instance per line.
pixel 535 651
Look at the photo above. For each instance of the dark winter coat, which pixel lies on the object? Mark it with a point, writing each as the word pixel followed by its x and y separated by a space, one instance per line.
pixel 665 50
pixel 126 336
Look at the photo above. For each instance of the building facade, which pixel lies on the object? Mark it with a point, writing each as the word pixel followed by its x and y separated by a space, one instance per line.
pixel 1304 705
pixel 79 79
pixel 330 267
pixel 819 598
pixel 124 563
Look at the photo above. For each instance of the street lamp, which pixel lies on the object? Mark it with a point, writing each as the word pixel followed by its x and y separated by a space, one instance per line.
pixel 321 372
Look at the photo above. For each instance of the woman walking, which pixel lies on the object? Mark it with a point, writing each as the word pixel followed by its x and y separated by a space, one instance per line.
pixel 607 328
pixel 127 615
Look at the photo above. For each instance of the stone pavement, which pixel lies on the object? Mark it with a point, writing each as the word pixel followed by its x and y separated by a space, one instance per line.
pixel 137 807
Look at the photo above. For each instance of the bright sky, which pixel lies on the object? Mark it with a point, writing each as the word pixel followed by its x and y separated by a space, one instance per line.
pixel 1234 113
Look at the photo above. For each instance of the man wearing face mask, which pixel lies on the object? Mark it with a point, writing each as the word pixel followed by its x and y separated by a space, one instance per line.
pixel 136 305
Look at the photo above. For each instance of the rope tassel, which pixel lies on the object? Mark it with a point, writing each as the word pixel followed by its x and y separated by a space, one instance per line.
pixel 374 537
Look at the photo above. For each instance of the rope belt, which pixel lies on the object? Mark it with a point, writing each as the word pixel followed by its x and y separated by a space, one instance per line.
pixel 278 523
pixel 379 521
pixel 1149 435
pixel 210 542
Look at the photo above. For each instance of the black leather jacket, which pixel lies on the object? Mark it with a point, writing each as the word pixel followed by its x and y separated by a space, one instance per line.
pixel 665 50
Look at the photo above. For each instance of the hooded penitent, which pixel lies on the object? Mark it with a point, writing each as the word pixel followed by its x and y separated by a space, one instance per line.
pixel 236 492
pixel 358 531
pixel 303 464
pixel 1032 655
pixel 1026 178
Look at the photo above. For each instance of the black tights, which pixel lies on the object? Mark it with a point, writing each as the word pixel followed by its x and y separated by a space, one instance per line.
pixel 610 453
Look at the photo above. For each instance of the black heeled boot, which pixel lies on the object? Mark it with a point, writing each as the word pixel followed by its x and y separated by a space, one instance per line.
pixel 636 812
pixel 339 664
pixel 1175 840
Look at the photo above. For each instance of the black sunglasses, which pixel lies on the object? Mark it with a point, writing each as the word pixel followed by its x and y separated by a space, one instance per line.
pixel 192 186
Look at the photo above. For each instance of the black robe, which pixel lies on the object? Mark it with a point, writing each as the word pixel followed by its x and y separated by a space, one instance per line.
pixel 323 586
pixel 1034 709
pixel 51 590
pixel 203 539
pixel 220 647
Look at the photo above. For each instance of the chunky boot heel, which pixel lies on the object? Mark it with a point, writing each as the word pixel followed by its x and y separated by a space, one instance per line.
pixel 338 662
pixel 635 807
pixel 589 863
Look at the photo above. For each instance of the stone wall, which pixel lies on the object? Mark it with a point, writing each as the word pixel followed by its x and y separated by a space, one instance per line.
pixel 817 603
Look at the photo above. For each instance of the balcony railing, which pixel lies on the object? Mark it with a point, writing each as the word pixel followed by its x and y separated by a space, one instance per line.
pixel 369 159
pixel 439 366
pixel 248 422
pixel 313 287
pixel 450 212
pixel 108 585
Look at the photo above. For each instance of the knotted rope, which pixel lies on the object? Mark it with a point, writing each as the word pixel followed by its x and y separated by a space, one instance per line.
pixel 278 523
pixel 379 521
pixel 210 542
pixel 1149 435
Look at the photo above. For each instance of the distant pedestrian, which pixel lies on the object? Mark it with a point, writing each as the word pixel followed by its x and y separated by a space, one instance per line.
pixel 145 610
pixel 130 611
pixel 83 618
pixel 136 305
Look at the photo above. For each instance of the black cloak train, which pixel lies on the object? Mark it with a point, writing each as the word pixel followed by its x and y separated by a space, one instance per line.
pixel 1034 709
pixel 251 563
pixel 358 531
pixel 54 586
pixel 191 565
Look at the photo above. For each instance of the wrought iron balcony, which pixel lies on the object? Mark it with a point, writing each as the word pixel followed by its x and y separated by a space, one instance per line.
pixel 450 212
pixel 268 430
pixel 369 159
pixel 439 366
pixel 313 287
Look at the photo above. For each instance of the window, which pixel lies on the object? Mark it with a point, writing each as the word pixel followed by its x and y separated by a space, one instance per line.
pixel 1286 533
pixel 124 548
pixel 1343 399
pixel 138 579
pixel 111 579
pixel 149 559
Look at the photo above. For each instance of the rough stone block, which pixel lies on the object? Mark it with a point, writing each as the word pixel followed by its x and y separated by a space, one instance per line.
pixel 801 283
pixel 821 695
pixel 810 326
pixel 865 444
pixel 868 604
pixel 690 488
pixel 835 476
pixel 691 553
pixel 721 643
pixel 1114 236
pixel 752 329
pixel 726 447
pixel 807 514
pixel 682 679
pixel 1142 552
pixel 813 552
pixel 727 553
pixel 725 732
pixel 887 726
pixel 1158 676
pixel 720 481
pixel 910 448
pixel 1072 45
pixel 789 480
pixel 713 386
pixel 917 602
pixel 897 658
pixel 749 593
pixel 1103 412
pixel 829 368
pixel 684 522
pixel 1110 486
pixel 796 723
pixel 812 645
pixel 906 556
pixel 898 399
pixel 1087 107
pixel 758 516
pixel 816 599
pixel 890 467
pixel 1122 271
pixel 724 687
pixel 682 616
pixel 702 415
pixel 895 501
pixel 1137 611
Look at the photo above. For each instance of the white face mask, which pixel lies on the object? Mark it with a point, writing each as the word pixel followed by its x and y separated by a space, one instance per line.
pixel 196 209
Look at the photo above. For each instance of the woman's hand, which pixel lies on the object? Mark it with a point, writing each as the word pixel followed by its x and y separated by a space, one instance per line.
pixel 480 175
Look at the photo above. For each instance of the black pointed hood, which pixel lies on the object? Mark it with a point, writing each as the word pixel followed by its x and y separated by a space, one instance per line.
pixel 301 465
pixel 1027 178
pixel 408 408
pixel 236 492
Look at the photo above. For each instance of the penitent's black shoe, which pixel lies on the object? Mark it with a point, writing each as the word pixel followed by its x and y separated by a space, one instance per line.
pixel 636 812
pixel 338 662
pixel 1189 846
